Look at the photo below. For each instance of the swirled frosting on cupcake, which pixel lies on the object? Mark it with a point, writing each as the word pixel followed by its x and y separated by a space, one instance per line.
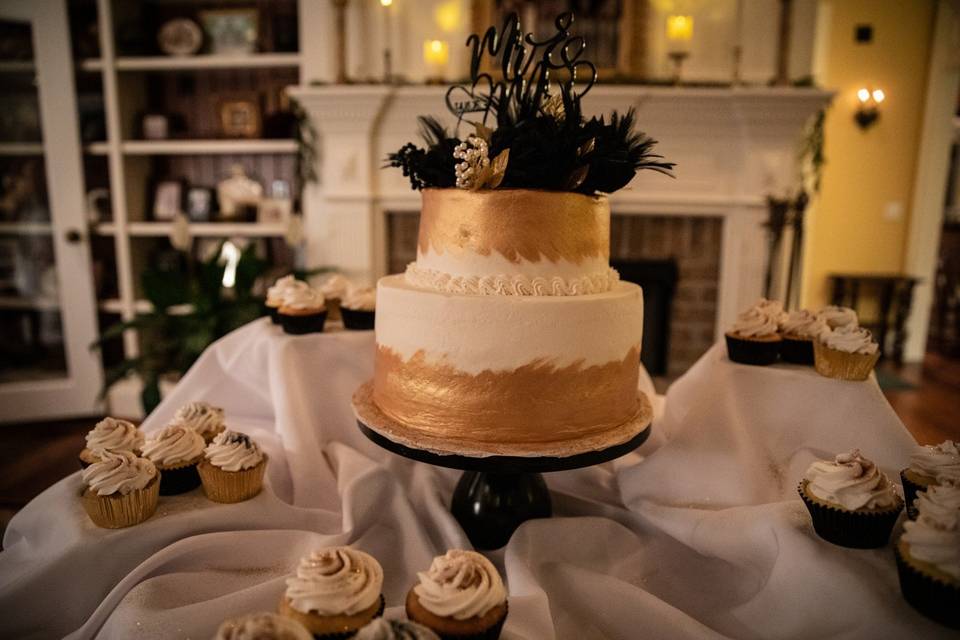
pixel 335 286
pixel 850 339
pixel 380 629
pixel 111 434
pixel 802 324
pixel 851 481
pixel 176 444
pixel 333 581
pixel 772 308
pixel 278 292
pixel 941 462
pixel 204 418
pixel 262 626
pixel 232 451
pixel 460 585
pixel 754 323
pixel 934 536
pixel 836 316
pixel 119 472
pixel 360 299
pixel 303 299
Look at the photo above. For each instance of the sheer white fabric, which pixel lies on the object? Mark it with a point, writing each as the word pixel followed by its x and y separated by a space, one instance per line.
pixel 698 535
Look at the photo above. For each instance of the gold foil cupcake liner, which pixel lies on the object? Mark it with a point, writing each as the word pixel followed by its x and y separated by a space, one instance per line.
pixel 231 486
pixel 117 511
pixel 841 365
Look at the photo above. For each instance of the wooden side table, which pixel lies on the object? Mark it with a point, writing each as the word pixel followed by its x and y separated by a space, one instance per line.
pixel 895 297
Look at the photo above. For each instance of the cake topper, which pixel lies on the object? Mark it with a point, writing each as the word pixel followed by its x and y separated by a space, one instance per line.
pixel 525 65
pixel 540 139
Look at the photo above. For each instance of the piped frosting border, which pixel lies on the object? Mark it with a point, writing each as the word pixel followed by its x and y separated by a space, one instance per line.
pixel 510 285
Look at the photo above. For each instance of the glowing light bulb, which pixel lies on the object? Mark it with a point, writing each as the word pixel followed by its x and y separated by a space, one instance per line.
pixel 863 94
pixel 879 96
pixel 386 3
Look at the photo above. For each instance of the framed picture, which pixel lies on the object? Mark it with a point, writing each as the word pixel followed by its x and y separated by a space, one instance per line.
pixel 240 118
pixel 200 202
pixel 614 29
pixel 231 31
pixel 167 199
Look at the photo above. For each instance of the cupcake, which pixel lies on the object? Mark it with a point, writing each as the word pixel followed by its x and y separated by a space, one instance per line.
pixel 836 317
pixel 303 311
pixel 232 468
pixel 111 434
pixel 121 489
pixel 381 629
pixel 930 466
pixel 798 330
pixel 358 308
pixel 334 592
pixel 176 450
pixel 928 556
pixel 204 418
pixel 754 338
pixel 277 292
pixel 262 626
pixel 846 353
pixel 851 502
pixel 460 596
pixel 334 288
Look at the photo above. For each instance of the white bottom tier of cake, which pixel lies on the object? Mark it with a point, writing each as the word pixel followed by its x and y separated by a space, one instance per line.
pixel 507 375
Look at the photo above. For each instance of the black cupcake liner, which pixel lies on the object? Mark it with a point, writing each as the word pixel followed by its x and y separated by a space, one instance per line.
pixel 853 529
pixel 492 633
pixel 344 635
pixel 179 480
pixel 910 490
pixel 933 598
pixel 274 313
pixel 756 352
pixel 358 320
pixel 797 351
pixel 301 325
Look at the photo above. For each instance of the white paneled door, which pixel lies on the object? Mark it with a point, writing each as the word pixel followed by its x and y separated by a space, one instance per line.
pixel 47 313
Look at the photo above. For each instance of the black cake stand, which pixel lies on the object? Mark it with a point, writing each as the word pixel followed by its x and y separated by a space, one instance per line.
pixel 496 494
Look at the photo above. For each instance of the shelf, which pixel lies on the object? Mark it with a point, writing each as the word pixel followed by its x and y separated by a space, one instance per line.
pixel 206 61
pixel 26 228
pixel 114 305
pixel 199 229
pixel 17 66
pixel 40 303
pixel 196 147
pixel 21 149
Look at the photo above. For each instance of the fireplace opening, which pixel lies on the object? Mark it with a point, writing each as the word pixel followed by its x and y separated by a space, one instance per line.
pixel 658 278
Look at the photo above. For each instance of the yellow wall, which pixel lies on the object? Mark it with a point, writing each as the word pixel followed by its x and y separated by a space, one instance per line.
pixel 847 228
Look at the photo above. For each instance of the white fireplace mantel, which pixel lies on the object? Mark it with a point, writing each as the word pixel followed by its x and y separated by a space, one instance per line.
pixel 733 148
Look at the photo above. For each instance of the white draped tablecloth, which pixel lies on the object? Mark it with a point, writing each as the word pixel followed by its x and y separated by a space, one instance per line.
pixel 699 534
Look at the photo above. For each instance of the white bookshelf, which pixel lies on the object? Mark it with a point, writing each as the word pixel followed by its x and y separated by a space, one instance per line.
pixel 127 159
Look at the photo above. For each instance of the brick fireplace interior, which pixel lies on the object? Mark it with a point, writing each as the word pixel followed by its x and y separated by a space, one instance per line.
pixel 644 245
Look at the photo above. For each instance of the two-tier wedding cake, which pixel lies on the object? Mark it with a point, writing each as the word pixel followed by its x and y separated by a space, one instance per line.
pixel 511 334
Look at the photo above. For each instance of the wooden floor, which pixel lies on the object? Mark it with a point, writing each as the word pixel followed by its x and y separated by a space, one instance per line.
pixel 34 456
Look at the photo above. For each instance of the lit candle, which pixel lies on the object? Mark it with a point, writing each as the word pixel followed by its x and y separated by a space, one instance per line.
pixel 679 28
pixel 436 55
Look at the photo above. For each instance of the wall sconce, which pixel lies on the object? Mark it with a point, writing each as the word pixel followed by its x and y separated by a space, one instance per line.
pixel 868 111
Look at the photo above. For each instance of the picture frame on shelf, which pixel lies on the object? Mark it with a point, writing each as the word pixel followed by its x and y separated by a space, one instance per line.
pixel 200 204
pixel 278 206
pixel 240 117
pixel 231 31
pixel 168 197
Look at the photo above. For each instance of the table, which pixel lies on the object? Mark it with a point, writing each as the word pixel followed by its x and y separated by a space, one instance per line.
pixel 698 534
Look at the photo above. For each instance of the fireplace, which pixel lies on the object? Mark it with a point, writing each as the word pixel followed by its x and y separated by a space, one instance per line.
pixel 658 278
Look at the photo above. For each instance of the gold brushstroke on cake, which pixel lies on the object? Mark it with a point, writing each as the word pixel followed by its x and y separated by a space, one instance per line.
pixel 535 403
pixel 516 223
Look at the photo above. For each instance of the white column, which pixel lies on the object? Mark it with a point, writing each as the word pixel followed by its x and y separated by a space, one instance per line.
pixel 339 212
